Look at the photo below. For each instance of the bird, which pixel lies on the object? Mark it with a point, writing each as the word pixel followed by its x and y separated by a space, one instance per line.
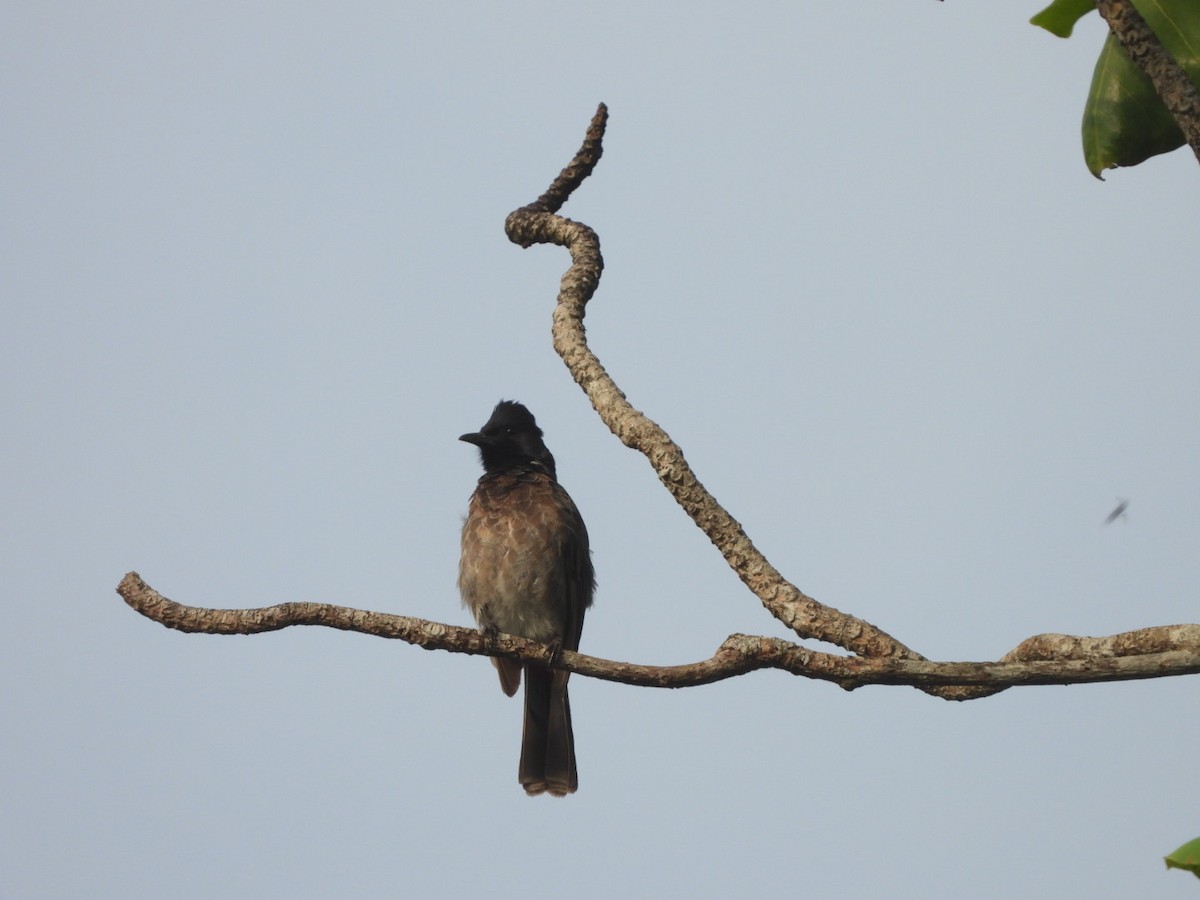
pixel 1118 513
pixel 526 570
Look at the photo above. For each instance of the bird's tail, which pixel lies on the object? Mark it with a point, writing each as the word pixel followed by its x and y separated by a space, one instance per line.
pixel 548 743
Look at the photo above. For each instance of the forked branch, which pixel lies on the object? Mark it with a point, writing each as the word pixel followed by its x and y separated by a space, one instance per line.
pixel 878 657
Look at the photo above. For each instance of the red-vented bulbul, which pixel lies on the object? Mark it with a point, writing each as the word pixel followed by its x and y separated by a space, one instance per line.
pixel 526 570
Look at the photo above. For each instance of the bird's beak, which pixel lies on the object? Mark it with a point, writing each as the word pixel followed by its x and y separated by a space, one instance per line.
pixel 479 440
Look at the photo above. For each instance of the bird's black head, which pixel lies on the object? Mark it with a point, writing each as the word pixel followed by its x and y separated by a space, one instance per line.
pixel 511 439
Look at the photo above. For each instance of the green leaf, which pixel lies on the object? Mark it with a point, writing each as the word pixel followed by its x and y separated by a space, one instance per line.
pixel 1059 17
pixel 1124 121
pixel 1186 857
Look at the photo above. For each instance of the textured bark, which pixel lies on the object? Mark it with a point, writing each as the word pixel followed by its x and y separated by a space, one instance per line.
pixel 1045 659
pixel 1174 87
pixel 537 224
pixel 878 657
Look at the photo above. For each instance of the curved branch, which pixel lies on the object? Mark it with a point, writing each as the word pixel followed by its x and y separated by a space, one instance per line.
pixel 537 224
pixel 1171 82
pixel 1152 653
pixel 1043 659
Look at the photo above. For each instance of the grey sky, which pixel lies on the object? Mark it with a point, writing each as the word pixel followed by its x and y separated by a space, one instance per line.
pixel 256 284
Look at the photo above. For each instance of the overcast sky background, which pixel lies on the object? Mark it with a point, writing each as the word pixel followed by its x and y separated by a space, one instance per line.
pixel 256 283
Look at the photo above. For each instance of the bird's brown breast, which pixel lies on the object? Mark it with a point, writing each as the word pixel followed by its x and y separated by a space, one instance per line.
pixel 520 569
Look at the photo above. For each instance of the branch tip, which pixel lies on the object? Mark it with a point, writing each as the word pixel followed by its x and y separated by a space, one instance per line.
pixel 578 169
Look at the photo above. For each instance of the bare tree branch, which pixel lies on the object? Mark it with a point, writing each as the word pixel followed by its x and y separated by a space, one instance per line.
pixel 880 659
pixel 1122 657
pixel 1174 87
pixel 536 224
